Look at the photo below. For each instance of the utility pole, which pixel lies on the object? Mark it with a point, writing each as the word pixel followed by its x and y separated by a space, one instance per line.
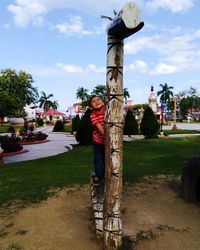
pixel 124 24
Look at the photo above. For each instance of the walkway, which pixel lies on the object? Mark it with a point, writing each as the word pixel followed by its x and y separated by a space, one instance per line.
pixel 58 143
pixel 61 142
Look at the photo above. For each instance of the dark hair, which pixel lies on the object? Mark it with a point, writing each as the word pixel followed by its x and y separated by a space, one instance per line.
pixel 90 100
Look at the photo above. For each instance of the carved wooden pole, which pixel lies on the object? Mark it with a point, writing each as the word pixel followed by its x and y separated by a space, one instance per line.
pixel 113 142
pixel 125 23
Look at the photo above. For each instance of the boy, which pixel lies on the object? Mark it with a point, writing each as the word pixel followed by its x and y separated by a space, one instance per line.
pixel 97 118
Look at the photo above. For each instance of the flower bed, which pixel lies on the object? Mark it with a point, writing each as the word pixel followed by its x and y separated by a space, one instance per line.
pixel 10 144
pixel 32 137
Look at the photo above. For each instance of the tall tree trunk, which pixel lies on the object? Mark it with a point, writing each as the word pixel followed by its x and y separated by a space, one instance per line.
pixel 113 145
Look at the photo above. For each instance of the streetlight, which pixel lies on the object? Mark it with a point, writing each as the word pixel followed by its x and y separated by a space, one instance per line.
pixel 162 111
pixel 174 126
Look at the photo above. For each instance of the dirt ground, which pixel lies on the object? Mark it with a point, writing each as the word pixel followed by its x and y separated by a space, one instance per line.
pixel 155 217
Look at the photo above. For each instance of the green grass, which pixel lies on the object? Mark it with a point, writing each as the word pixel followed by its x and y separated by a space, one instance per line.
pixel 180 131
pixel 4 128
pixel 31 181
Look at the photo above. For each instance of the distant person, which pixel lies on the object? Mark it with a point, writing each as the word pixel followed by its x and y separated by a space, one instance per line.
pixel 97 118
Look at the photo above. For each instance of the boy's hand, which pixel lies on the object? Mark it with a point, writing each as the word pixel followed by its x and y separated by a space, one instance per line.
pixel 100 128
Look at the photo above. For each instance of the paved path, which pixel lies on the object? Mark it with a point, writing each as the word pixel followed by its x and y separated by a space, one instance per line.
pixel 189 126
pixel 58 143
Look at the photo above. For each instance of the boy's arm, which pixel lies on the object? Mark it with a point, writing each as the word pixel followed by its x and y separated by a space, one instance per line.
pixel 100 128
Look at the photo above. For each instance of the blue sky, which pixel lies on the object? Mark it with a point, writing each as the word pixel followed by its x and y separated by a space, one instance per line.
pixel 62 43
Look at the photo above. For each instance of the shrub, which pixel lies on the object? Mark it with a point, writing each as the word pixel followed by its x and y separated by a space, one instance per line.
pixel 131 126
pixel 85 129
pixel 149 126
pixel 39 122
pixel 10 144
pixel 75 123
pixel 59 126
pixel 31 136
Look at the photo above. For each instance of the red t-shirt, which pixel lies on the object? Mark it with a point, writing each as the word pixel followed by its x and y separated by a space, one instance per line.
pixel 97 117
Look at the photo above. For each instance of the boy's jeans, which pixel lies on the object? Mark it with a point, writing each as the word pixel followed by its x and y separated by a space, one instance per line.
pixel 99 159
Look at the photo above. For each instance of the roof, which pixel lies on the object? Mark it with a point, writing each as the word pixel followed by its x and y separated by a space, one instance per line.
pixel 53 112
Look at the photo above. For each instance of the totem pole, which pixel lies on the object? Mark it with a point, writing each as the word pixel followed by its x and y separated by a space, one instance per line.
pixel 124 24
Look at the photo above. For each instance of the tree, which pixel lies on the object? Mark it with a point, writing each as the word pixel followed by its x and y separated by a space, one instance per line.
pixel 18 84
pixel 149 126
pixel 8 104
pixel 100 90
pixel 54 105
pixel 82 94
pixel 84 132
pixel 165 93
pixel 44 101
pixel 131 126
pixel 126 95
pixel 75 123
pixel 189 102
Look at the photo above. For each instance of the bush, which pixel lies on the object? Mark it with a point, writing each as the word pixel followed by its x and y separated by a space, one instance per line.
pixel 131 126
pixel 75 123
pixel 10 144
pixel 39 122
pixel 59 126
pixel 31 136
pixel 85 129
pixel 149 126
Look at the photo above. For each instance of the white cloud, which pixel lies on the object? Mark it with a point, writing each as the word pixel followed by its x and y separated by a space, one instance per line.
pixel 93 68
pixel 25 12
pixel 174 5
pixel 73 27
pixel 163 68
pixel 33 11
pixel 138 66
pixel 70 68
pixel 7 26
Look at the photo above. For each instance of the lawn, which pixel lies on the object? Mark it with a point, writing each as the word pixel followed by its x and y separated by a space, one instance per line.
pixel 31 181
pixel 180 131
pixel 4 128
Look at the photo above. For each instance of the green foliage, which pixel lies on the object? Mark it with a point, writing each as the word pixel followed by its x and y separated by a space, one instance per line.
pixel 59 126
pixel 165 93
pixel 149 126
pixel 7 104
pixel 10 144
pixel 46 103
pixel 100 90
pixel 18 85
pixel 84 132
pixel 39 122
pixel 18 113
pixel 131 126
pixel 75 123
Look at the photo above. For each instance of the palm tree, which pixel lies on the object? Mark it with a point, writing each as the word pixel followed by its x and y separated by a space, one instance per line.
pixel 165 93
pixel 55 105
pixel 126 95
pixel 82 94
pixel 100 90
pixel 44 101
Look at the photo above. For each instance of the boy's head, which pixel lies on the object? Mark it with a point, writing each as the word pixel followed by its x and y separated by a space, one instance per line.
pixel 95 102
